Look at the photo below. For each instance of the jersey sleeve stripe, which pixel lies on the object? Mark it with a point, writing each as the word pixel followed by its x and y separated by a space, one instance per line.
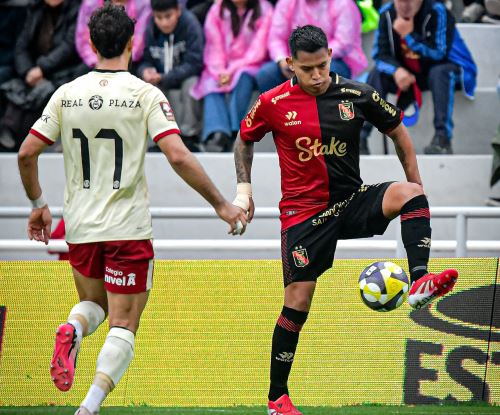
pixel 165 133
pixel 41 137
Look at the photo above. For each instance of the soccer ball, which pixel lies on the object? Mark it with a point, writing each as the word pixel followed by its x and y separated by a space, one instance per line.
pixel 383 286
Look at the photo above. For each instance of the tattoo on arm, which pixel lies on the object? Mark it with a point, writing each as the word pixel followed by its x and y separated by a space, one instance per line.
pixel 243 157
pixel 401 154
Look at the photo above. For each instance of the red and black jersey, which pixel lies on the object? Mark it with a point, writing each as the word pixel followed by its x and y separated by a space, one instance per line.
pixel 317 138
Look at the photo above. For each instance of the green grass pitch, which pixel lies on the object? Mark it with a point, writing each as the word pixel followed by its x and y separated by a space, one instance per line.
pixel 452 409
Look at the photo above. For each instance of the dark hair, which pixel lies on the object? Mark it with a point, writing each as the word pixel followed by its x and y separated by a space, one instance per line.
pixel 236 21
pixel 110 30
pixel 163 5
pixel 307 38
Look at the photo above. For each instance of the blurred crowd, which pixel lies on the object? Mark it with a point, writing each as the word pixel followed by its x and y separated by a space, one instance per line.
pixel 208 57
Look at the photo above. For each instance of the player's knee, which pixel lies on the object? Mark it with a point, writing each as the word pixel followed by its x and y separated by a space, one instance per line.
pixel 116 354
pixel 92 312
pixel 415 189
pixel 410 191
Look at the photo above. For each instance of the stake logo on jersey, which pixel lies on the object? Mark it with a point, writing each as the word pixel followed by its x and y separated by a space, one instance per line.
pixel 310 148
pixel 300 257
pixel 167 110
pixel 95 102
pixel 346 110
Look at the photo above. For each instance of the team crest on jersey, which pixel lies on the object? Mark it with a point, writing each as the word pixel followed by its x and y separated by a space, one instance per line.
pixel 167 110
pixel 95 102
pixel 346 109
pixel 300 257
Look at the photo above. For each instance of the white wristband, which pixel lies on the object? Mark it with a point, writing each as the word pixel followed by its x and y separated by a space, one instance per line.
pixel 243 195
pixel 38 203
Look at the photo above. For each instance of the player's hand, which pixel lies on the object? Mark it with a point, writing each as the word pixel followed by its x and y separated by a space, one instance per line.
pixel 224 79
pixel 39 224
pixel 149 74
pixel 235 216
pixel 404 79
pixel 403 26
pixel 285 69
pixel 34 76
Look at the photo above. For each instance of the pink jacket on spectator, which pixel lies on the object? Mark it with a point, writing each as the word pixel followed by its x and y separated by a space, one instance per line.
pixel 340 20
pixel 139 10
pixel 225 53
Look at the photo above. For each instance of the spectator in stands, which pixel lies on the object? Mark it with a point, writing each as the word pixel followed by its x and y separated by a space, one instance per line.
pixel 11 23
pixel 473 11
pixel 45 58
pixel 12 15
pixel 417 42
pixel 492 12
pixel 139 10
pixel 173 60
pixel 339 19
pixel 236 32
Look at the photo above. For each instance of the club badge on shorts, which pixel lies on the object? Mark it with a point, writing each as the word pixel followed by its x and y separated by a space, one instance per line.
pixel 346 110
pixel 300 257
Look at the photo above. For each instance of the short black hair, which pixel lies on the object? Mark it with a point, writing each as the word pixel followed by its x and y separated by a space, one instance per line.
pixel 110 29
pixel 307 38
pixel 163 5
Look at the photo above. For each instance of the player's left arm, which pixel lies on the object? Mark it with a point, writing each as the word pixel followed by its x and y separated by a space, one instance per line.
pixel 40 220
pixel 406 153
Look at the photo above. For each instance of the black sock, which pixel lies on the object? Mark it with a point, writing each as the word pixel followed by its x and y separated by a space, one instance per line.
pixel 416 235
pixel 285 339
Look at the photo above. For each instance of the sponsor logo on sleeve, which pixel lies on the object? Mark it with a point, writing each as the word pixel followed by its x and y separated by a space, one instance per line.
pixel 45 118
pixel 384 104
pixel 251 115
pixel 167 110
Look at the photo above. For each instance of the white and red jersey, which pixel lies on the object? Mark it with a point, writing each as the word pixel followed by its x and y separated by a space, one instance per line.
pixel 104 119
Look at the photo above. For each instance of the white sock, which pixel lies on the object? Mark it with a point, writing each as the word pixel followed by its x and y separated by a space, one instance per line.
pixel 94 399
pixel 78 328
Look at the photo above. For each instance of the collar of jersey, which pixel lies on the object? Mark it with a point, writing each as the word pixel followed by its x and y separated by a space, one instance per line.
pixel 109 70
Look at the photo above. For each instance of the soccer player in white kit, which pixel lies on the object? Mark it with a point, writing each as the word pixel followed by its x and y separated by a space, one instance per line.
pixel 104 119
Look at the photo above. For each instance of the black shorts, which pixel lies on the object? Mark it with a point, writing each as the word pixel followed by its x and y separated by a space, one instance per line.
pixel 308 248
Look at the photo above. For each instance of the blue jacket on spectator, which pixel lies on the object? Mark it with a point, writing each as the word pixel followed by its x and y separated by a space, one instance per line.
pixel 435 38
pixel 186 51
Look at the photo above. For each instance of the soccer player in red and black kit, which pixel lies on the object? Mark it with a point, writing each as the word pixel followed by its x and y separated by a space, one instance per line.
pixel 316 118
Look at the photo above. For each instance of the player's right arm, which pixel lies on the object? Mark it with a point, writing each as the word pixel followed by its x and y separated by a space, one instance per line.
pixel 40 220
pixel 163 128
pixel 190 170
pixel 252 128
pixel 45 131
